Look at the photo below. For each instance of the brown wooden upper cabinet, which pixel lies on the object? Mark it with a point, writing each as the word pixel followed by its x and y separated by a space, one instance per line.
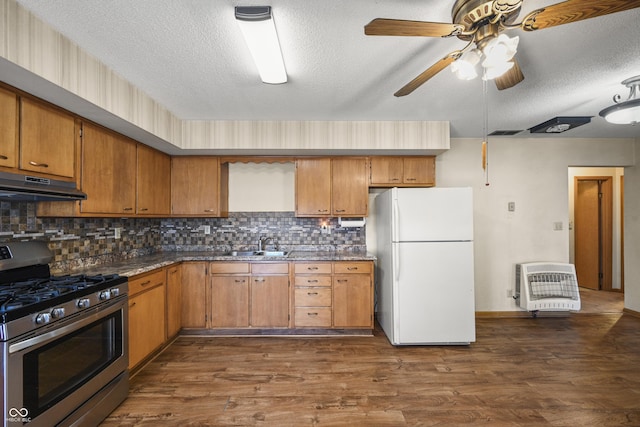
pixel 398 171
pixel 108 172
pixel 8 129
pixel 153 181
pixel 199 187
pixel 331 187
pixel 47 140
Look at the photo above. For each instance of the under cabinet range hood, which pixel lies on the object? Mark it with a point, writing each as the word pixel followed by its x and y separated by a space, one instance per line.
pixel 34 188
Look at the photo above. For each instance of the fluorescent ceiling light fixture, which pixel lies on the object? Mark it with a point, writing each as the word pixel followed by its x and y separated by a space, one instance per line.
pixel 627 112
pixel 259 31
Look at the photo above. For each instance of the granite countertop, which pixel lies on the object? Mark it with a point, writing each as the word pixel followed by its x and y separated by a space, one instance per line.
pixel 146 263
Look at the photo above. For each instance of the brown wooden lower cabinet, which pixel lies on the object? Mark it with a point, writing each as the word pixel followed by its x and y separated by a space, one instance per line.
pixel 147 302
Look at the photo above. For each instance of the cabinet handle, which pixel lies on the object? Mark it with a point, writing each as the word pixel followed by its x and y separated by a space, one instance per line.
pixel 312 314
pixel 352 268
pixel 144 209
pixel 312 268
pixel 40 165
pixel 145 283
pixel 323 210
pixel 239 280
pixel 174 271
pixel 342 280
pixel 412 179
pixel 2 157
pixel 312 293
pixel 132 304
pixel 341 210
pixel 208 210
pixel 395 179
pixel 312 281
pixel 258 280
pixel 127 209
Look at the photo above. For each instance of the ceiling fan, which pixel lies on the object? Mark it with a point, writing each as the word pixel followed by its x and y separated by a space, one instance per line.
pixel 482 23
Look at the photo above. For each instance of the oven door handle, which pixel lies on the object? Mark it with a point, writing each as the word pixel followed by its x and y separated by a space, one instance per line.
pixel 102 311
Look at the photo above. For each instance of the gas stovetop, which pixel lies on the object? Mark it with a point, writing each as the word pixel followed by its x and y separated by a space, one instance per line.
pixel 22 298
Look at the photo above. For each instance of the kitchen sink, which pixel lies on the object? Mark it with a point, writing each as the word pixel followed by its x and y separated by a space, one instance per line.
pixel 257 253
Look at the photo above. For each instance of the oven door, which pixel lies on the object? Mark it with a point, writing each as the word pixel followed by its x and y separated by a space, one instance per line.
pixel 51 374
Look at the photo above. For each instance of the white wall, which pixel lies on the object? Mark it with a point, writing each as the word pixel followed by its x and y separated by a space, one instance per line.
pixel 533 174
pixel 631 232
pixel 261 187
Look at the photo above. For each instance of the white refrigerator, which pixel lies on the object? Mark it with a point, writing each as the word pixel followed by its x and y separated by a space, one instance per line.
pixel 425 286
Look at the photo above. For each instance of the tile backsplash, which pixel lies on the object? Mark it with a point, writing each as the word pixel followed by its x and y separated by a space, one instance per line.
pixel 79 242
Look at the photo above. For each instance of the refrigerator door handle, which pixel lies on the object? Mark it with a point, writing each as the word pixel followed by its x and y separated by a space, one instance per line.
pixel 394 222
pixel 396 261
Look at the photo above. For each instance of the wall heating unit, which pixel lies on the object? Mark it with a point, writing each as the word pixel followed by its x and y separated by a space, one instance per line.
pixel 547 286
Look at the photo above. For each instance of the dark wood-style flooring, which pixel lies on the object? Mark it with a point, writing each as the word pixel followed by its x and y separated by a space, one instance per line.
pixel 580 370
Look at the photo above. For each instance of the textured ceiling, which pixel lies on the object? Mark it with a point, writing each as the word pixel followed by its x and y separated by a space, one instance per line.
pixel 189 56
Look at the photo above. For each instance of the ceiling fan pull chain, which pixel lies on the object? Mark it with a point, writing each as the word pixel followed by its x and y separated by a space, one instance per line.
pixel 485 130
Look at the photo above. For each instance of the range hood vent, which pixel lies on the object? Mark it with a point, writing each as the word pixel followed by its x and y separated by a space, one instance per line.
pixel 33 188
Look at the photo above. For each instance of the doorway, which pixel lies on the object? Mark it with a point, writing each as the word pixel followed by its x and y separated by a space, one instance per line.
pixel 593 233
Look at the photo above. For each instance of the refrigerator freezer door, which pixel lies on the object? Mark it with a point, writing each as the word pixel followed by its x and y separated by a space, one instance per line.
pixel 433 214
pixel 433 293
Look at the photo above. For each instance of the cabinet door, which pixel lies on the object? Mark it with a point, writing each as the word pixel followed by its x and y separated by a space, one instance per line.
pixel 352 301
pixel 108 172
pixel 386 171
pixel 154 182
pixel 194 294
pixel 146 323
pixel 420 171
pixel 47 140
pixel 198 186
pixel 8 129
pixel 270 301
pixel 313 187
pixel 174 300
pixel 229 301
pixel 349 187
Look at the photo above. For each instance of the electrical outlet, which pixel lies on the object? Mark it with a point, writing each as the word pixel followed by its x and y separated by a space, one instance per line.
pixel 117 232
pixel 557 226
pixel 509 293
pixel 325 229
pixel 511 206
pixel 207 229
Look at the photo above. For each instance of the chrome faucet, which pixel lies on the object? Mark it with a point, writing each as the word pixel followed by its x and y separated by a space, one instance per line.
pixel 262 242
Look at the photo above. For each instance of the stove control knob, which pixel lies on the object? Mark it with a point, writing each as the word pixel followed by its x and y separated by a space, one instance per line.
pixel 83 303
pixel 105 295
pixel 43 318
pixel 115 292
pixel 57 312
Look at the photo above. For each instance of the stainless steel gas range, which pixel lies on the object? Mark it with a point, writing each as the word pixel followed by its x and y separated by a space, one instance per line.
pixel 63 341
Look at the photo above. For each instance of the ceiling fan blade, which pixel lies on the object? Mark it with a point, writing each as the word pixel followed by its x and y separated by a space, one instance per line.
pixel 398 27
pixel 574 10
pixel 511 78
pixel 426 75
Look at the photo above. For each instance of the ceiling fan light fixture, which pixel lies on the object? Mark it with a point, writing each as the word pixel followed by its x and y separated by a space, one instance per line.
pixel 499 50
pixel 465 67
pixel 497 70
pixel 259 31
pixel 627 112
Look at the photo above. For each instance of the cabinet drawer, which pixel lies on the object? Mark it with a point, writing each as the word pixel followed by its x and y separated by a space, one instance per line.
pixel 314 316
pixel 313 281
pixel 313 268
pixel 143 282
pixel 363 267
pixel 313 297
pixel 229 267
pixel 270 268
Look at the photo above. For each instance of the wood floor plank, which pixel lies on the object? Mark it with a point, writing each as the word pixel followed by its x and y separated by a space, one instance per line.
pixel 563 371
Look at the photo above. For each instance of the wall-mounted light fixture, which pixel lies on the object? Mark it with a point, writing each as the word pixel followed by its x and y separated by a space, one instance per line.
pixel 259 31
pixel 627 112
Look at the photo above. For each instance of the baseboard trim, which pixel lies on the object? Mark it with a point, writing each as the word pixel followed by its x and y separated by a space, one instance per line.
pixel 631 312
pixel 520 314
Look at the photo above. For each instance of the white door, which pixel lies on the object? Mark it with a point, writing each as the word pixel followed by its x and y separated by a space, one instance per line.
pixel 434 293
